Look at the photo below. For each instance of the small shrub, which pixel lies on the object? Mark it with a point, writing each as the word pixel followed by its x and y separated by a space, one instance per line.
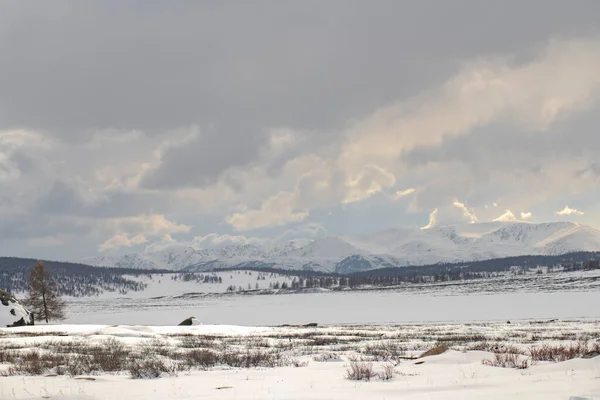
pixel 76 365
pixel 561 352
pixel 327 357
pixel 8 356
pixel 323 341
pixel 479 346
pixel 152 368
pixel 109 356
pixel 258 359
pixel 203 359
pixel 507 360
pixel 31 363
pixel 197 342
pixel 387 373
pixel 360 371
pixel 384 351
pixel 297 363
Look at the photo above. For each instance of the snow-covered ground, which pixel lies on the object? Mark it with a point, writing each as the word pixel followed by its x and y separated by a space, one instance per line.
pixel 449 376
pixel 316 361
pixel 380 328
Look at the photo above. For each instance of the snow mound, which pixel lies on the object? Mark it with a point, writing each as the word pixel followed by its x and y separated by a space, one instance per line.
pixel 12 312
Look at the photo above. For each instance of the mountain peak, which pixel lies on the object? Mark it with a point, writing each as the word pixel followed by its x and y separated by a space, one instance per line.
pixel 390 247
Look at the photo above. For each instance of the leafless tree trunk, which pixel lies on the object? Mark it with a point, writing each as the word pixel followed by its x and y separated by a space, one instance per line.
pixel 43 298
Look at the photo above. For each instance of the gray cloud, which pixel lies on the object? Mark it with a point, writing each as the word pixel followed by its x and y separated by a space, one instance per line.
pixel 60 199
pixel 65 199
pixel 201 162
pixel 71 66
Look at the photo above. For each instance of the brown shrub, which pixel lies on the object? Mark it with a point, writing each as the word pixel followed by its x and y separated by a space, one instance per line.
pixel 360 371
pixel 507 360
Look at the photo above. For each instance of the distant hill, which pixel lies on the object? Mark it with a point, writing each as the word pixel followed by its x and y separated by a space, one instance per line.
pixel 72 279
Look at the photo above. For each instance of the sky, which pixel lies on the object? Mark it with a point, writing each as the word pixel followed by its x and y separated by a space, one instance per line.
pixel 128 124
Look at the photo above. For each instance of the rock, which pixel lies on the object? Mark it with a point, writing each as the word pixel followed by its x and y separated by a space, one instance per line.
pixel 12 312
pixel 310 325
pixel 188 321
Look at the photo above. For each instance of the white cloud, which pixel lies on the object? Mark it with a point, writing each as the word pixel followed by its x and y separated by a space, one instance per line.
pixel 569 211
pixel 526 215
pixel 402 193
pixel 432 219
pixel 312 187
pixel 508 216
pixel 275 211
pixel 135 230
pixel 369 181
pixel 470 214
pixel 122 240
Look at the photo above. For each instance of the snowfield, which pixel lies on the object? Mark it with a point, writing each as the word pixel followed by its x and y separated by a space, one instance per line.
pixel 301 362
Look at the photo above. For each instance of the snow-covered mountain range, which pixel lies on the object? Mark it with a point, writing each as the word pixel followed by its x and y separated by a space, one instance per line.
pixel 389 248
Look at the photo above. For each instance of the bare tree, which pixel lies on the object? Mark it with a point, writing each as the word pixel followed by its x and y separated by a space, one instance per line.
pixel 43 298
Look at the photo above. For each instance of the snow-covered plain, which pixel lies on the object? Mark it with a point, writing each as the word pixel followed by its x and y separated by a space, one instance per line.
pixel 321 358
pixel 377 327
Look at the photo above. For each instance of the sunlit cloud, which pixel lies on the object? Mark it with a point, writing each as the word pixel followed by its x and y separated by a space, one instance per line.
pixel 526 215
pixel 466 212
pixel 569 211
pixel 508 216
pixel 432 219
pixel 403 193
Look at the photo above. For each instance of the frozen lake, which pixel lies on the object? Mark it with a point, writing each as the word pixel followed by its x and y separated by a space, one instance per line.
pixel 559 295
pixel 376 307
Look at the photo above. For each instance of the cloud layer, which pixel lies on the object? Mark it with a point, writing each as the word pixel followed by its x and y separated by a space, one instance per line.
pixel 212 124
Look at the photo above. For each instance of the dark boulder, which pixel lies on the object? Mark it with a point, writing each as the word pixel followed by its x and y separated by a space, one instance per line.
pixel 188 321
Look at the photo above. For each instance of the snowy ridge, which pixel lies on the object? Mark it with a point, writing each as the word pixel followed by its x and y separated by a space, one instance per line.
pixel 389 248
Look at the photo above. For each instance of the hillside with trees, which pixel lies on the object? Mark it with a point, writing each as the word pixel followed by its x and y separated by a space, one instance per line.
pixel 72 279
